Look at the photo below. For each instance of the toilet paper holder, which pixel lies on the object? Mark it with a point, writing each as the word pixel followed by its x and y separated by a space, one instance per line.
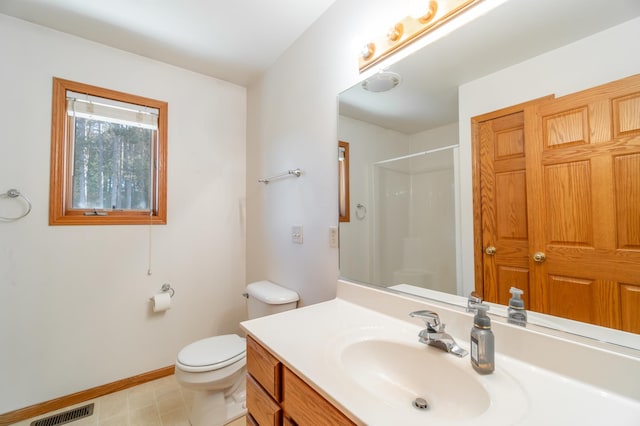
pixel 166 287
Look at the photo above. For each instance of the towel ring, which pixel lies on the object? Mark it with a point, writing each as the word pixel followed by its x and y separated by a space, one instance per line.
pixel 14 193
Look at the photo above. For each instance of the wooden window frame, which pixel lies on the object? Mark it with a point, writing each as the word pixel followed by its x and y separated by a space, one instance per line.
pixel 344 200
pixel 60 211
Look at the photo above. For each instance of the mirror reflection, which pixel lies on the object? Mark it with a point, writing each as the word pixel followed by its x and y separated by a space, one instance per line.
pixel 344 208
pixel 419 227
pixel 413 222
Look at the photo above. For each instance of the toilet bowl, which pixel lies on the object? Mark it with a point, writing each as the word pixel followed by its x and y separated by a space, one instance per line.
pixel 215 367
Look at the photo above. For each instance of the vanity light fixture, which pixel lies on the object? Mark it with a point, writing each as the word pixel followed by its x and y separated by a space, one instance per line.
pixel 381 82
pixel 423 19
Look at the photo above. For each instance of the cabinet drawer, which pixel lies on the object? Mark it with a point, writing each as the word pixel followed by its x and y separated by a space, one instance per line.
pixel 261 407
pixel 265 368
pixel 306 406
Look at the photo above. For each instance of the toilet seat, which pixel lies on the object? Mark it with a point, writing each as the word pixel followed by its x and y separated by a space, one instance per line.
pixel 212 353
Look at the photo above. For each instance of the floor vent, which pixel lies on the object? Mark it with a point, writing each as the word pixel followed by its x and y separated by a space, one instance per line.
pixel 66 417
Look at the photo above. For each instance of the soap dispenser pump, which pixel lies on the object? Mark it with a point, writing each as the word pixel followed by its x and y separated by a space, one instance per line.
pixel 482 341
pixel 516 312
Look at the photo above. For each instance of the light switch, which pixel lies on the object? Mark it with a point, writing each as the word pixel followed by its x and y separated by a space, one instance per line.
pixel 296 234
pixel 333 236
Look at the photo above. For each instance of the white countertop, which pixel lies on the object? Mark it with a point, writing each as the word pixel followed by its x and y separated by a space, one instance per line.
pixel 309 341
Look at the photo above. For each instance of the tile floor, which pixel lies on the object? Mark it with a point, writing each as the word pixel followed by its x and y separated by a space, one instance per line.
pixel 160 402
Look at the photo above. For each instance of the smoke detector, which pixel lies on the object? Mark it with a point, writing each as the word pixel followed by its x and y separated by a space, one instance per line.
pixel 382 82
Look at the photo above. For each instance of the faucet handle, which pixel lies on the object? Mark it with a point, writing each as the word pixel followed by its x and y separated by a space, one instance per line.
pixel 431 319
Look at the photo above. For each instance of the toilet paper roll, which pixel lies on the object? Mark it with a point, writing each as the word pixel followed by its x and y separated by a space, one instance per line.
pixel 161 302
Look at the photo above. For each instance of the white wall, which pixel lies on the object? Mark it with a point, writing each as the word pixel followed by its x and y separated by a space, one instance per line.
pixel 595 60
pixel 434 138
pixel 74 310
pixel 292 119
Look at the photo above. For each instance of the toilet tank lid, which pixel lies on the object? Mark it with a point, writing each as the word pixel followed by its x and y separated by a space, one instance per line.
pixel 271 293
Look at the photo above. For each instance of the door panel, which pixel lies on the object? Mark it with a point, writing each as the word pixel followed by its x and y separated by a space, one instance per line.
pixel 581 300
pixel 511 199
pixel 568 128
pixel 568 203
pixel 508 277
pixel 626 115
pixel 571 298
pixel 585 155
pixel 504 201
pixel 627 192
pixel 630 301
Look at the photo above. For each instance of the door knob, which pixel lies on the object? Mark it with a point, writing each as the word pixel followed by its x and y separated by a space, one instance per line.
pixel 539 257
pixel 491 250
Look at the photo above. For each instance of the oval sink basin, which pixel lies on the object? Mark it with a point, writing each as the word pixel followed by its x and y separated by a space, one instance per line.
pixel 401 373
pixel 393 369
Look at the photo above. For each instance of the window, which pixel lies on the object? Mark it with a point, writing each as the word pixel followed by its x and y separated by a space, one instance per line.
pixel 108 157
pixel 343 181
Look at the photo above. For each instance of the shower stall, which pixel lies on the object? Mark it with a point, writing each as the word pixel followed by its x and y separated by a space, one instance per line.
pixel 413 226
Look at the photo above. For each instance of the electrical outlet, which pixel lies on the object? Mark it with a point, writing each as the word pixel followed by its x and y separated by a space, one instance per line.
pixel 333 236
pixel 296 234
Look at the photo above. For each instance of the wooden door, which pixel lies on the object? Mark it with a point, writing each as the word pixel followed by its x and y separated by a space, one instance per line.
pixel 505 239
pixel 583 190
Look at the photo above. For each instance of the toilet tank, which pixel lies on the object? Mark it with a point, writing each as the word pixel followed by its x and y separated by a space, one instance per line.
pixel 266 298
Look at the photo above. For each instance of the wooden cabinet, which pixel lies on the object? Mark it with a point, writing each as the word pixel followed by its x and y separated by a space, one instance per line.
pixel 305 406
pixel 264 410
pixel 265 368
pixel 264 389
pixel 277 396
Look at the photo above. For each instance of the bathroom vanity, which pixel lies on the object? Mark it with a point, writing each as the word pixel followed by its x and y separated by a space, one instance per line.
pixel 276 395
pixel 356 360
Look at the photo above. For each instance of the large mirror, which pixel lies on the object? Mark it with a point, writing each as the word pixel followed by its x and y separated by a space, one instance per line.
pixel 408 126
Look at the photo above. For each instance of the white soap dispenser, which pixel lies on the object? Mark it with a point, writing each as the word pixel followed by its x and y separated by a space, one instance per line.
pixel 482 341
pixel 516 312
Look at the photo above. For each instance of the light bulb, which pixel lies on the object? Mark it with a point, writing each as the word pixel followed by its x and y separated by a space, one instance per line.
pixel 423 11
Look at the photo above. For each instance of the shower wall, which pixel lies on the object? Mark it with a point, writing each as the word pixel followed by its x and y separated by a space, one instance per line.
pixel 414 221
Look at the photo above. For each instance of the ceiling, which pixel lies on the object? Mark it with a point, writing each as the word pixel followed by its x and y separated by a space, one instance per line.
pixel 511 33
pixel 237 40
pixel 233 40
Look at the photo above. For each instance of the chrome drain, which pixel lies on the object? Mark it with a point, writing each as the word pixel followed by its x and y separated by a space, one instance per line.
pixel 420 404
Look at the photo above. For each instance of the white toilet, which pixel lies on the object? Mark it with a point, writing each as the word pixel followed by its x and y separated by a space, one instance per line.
pixel 215 367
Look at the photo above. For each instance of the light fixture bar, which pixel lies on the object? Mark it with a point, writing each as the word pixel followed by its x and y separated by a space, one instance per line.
pixel 410 28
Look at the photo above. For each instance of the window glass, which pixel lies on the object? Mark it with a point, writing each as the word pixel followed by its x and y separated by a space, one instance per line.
pixel 112 154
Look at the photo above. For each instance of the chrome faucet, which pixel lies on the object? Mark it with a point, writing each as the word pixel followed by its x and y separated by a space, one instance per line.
pixel 472 301
pixel 434 334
